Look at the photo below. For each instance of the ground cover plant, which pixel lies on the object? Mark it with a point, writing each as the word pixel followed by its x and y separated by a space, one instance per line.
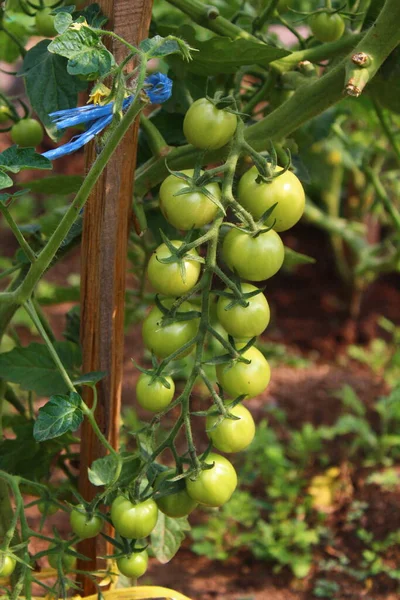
pixel 209 139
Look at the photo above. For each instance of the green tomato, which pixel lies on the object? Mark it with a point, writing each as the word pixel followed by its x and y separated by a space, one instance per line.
pixel 163 341
pixel 47 508
pixel 286 191
pixel 177 504
pixel 133 521
pixel 7 565
pixel 153 395
pixel 241 378
pixel 44 22
pixel 168 278
pixel 68 562
pixel 5 114
pixel 215 486
pixel 244 322
pixel 326 27
pixel 84 525
pixel 206 126
pixel 253 258
pixel 188 210
pixel 134 565
pixel 27 133
pixel 232 435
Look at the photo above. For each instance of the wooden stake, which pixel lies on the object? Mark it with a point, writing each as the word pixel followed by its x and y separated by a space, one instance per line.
pixel 104 250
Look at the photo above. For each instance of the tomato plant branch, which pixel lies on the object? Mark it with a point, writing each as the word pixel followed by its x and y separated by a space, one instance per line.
pixel 387 130
pixel 29 253
pixel 383 197
pixel 373 49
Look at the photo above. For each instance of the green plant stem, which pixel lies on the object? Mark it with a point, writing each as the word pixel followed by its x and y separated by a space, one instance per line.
pixel 30 255
pixel 30 309
pixel 200 13
pixel 387 130
pixel 377 44
pixel 49 251
pixel 292 30
pixel 260 95
pixel 383 197
pixel 265 14
pixel 158 145
pixel 43 319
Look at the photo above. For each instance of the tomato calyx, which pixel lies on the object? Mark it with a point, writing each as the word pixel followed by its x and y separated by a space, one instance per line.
pixel 153 373
pixel 174 315
pixel 197 183
pixel 238 300
pixel 235 355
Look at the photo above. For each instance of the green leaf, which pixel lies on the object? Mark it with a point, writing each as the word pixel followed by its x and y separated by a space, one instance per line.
pixel 33 368
pixel 5 181
pixel 102 470
pixel 14 159
pixel 93 15
pixel 167 537
pixel 59 415
pixel 59 184
pixel 45 71
pixel 223 55
pixel 24 456
pixel 293 258
pixel 62 20
pixel 350 400
pixel 90 378
pixel 157 47
pixel 85 51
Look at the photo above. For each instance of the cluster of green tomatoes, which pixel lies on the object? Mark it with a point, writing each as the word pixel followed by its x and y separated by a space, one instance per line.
pixel 242 313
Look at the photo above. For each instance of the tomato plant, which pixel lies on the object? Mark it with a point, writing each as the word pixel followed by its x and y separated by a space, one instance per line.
pixel 27 132
pixel 134 565
pixel 176 277
pixel 245 319
pixel 285 191
pixel 214 486
pixel 231 435
pixel 154 395
pixel 186 207
pixel 192 172
pixel 326 27
pixel 85 525
pixel 133 520
pixel 207 126
pixel 254 257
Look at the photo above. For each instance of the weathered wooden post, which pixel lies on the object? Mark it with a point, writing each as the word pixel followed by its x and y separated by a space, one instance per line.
pixel 104 250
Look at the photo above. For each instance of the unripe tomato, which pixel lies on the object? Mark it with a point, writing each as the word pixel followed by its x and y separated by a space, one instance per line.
pixel 167 278
pixel 47 508
pixel 326 27
pixel 134 565
pixel 153 395
pixel 163 341
pixel 7 565
pixel 5 114
pixel 133 521
pixel 215 486
pixel 241 378
pixel 84 525
pixel 68 561
pixel 286 191
pixel 206 126
pixel 177 504
pixel 232 435
pixel 27 133
pixel 244 322
pixel 188 210
pixel 44 22
pixel 254 258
